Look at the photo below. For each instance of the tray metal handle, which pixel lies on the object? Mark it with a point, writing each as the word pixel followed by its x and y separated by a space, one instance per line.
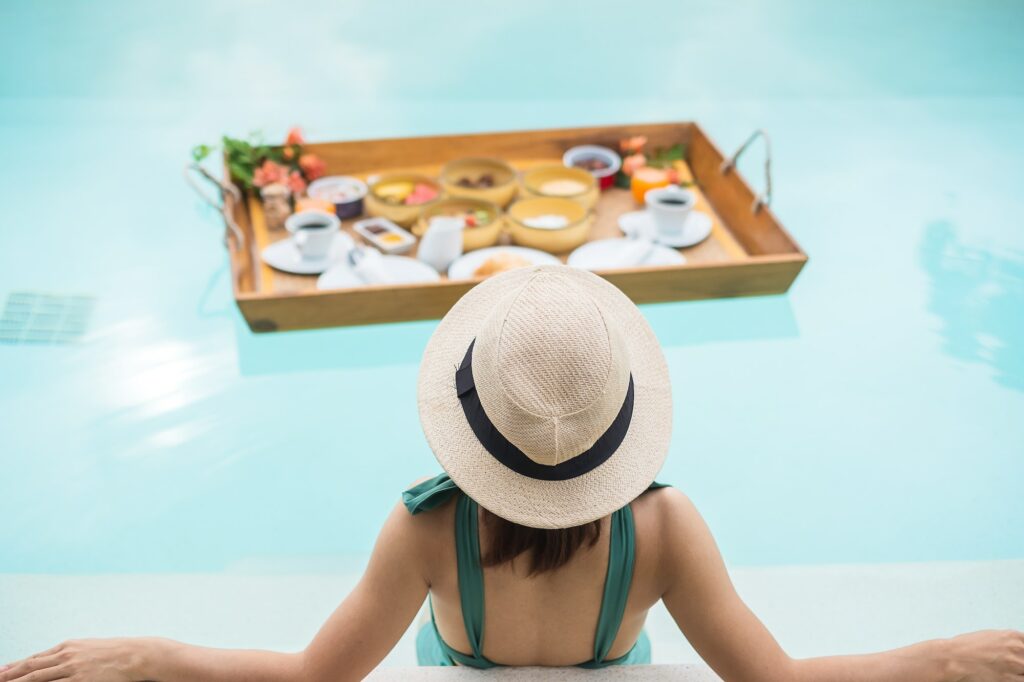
pixel 228 196
pixel 764 199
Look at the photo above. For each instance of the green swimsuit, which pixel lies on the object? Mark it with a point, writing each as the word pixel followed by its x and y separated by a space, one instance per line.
pixel 432 650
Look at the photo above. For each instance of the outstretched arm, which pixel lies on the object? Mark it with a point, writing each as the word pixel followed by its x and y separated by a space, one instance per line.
pixel 730 638
pixel 357 636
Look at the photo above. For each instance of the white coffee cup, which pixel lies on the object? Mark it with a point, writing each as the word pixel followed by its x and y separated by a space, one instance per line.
pixel 670 207
pixel 313 232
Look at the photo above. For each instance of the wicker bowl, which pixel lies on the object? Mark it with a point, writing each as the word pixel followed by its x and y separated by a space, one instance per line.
pixel 401 214
pixel 553 240
pixel 541 182
pixel 501 193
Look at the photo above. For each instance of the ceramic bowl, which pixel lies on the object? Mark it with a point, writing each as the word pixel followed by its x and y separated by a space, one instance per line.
pixel 605 176
pixel 503 191
pixel 472 237
pixel 552 240
pixel 543 181
pixel 345 192
pixel 402 214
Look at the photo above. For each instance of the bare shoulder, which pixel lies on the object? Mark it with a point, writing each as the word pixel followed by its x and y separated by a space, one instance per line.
pixel 422 537
pixel 667 507
pixel 670 517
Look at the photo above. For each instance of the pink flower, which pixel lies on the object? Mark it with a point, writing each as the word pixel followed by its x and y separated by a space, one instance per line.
pixel 294 137
pixel 288 153
pixel 268 174
pixel 312 166
pixel 632 162
pixel 633 145
pixel 296 183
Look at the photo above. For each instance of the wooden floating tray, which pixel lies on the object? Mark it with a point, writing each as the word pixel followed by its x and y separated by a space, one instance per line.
pixel 748 252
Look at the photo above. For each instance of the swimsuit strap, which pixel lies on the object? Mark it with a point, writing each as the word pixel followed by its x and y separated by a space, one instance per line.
pixel 471 574
pixel 429 494
pixel 621 546
pixel 621 557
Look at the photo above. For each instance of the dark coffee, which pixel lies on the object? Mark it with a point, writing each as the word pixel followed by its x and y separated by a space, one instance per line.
pixel 672 201
pixel 314 226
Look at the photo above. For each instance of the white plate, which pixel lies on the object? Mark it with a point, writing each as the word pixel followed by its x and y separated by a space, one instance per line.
pixel 464 265
pixel 284 255
pixel 696 229
pixel 608 254
pixel 397 269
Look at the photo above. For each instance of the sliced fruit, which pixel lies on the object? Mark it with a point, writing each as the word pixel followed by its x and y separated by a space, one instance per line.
pixel 395 191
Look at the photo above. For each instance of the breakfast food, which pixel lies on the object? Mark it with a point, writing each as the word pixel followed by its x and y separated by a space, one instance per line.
pixel 470 218
pixel 483 181
pixel 645 179
pixel 591 163
pixel 343 194
pixel 339 193
pixel 600 162
pixel 385 235
pixel 562 188
pixel 406 193
pixel 313 204
pixel 548 221
pixel 500 262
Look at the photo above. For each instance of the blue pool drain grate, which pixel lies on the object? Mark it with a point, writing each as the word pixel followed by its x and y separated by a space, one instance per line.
pixel 31 317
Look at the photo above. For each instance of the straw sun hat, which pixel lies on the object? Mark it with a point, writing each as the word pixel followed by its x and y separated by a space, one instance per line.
pixel 545 396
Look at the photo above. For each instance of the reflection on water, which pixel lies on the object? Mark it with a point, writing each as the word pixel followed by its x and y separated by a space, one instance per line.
pixel 980 297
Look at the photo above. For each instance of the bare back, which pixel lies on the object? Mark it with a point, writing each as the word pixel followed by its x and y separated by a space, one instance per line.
pixel 548 619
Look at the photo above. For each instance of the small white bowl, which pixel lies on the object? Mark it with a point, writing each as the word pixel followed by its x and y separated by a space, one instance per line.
pixel 352 191
pixel 605 176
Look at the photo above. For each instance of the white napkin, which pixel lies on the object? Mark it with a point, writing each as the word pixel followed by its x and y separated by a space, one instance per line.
pixel 635 252
pixel 370 267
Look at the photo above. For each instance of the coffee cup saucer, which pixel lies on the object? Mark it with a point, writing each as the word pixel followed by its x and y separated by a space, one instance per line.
pixel 695 230
pixel 284 255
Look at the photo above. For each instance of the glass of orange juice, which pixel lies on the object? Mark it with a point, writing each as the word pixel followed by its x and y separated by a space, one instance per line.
pixel 645 179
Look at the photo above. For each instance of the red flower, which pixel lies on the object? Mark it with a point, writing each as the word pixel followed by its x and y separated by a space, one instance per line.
pixel 632 145
pixel 632 162
pixel 312 166
pixel 296 183
pixel 294 137
pixel 268 174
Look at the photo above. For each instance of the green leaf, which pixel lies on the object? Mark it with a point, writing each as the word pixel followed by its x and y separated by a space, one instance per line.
pixel 675 153
pixel 241 172
pixel 663 158
pixel 200 152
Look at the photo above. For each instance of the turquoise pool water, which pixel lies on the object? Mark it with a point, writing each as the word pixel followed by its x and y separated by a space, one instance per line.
pixel 874 414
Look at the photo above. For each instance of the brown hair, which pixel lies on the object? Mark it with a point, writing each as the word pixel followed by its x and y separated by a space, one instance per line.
pixel 549 548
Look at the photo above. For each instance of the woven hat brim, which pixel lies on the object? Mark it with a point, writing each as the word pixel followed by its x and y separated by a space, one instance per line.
pixel 521 499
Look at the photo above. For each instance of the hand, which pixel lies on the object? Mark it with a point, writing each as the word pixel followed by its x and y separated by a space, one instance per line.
pixel 986 656
pixel 92 660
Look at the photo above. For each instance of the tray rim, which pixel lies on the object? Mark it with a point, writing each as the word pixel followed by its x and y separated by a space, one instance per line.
pixel 759 259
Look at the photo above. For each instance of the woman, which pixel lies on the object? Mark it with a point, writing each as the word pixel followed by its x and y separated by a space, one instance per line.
pixel 545 397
